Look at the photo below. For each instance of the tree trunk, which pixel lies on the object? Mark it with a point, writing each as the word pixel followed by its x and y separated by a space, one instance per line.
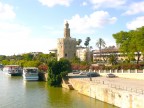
pixel 138 58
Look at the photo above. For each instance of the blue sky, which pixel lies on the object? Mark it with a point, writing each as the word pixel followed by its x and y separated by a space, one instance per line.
pixel 35 25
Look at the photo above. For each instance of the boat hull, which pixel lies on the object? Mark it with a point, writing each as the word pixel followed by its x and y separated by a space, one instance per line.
pixel 14 74
pixel 30 74
pixel 13 70
pixel 30 78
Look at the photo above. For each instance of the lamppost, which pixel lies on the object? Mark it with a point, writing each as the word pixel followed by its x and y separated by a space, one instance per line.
pixel 90 51
pixel 90 77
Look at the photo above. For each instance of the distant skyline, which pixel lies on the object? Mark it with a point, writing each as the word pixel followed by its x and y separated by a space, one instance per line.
pixel 35 25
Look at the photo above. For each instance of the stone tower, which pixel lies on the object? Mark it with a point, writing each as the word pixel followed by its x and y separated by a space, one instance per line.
pixel 66 46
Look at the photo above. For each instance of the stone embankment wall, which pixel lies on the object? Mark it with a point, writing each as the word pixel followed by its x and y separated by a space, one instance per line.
pixel 117 97
pixel 43 76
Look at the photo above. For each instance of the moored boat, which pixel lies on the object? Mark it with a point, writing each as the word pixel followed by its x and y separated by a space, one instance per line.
pixel 12 70
pixel 1 67
pixel 30 73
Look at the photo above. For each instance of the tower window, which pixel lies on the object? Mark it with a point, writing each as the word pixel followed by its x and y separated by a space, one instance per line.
pixel 74 54
pixel 66 55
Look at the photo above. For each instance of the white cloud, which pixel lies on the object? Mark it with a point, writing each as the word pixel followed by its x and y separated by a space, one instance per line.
pixel 13 37
pixel 20 46
pixel 135 8
pixel 17 38
pixel 6 12
pixel 51 3
pixel 84 3
pixel 138 22
pixel 107 3
pixel 13 31
pixel 88 23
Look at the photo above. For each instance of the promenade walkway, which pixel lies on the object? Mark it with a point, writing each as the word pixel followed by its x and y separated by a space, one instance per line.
pixel 132 85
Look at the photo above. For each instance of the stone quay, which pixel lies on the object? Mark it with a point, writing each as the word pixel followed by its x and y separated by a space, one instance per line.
pixel 120 92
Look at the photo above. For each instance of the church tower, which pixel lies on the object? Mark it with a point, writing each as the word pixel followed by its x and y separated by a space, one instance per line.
pixel 66 46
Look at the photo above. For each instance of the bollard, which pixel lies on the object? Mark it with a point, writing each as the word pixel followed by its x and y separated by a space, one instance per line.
pixel 90 78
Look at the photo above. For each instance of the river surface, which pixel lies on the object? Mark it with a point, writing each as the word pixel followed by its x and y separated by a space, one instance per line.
pixel 17 93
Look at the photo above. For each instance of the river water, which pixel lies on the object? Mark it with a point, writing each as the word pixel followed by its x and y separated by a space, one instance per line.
pixel 17 93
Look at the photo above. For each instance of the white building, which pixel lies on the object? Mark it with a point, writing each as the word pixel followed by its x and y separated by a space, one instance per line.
pixel 83 53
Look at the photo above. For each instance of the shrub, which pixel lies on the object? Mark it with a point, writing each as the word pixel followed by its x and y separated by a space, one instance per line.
pixel 43 68
pixel 57 70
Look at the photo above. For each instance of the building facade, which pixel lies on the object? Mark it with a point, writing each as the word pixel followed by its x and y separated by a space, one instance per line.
pixel 105 53
pixel 66 46
pixel 53 50
pixel 83 53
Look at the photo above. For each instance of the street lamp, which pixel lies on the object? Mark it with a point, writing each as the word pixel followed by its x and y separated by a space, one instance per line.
pixel 90 76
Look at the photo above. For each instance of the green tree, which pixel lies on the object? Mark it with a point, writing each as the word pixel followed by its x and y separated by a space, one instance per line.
pixel 87 41
pixel 54 78
pixel 137 42
pixel 123 41
pixel 31 63
pixel 56 70
pixel 65 65
pixel 100 44
pixel 45 58
pixel 87 48
pixel 28 56
pixel 5 62
pixel 131 43
pixel 113 59
pixel 78 51
pixel 79 42
pixel 75 60
pixel 2 57
pixel 27 59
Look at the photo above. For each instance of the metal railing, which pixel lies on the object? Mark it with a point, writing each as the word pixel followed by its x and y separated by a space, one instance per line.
pixel 116 71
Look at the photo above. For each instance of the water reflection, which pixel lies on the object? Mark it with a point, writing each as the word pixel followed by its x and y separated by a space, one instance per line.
pixel 60 98
pixel 17 93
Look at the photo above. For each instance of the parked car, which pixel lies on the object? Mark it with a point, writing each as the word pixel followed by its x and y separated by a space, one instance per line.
pixel 110 75
pixel 93 74
pixel 82 73
pixel 75 72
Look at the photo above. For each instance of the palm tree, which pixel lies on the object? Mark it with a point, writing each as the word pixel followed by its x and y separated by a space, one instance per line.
pixel 87 47
pixel 100 43
pixel 87 41
pixel 79 42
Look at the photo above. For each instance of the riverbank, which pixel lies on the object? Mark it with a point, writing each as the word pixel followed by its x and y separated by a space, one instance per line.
pixel 123 93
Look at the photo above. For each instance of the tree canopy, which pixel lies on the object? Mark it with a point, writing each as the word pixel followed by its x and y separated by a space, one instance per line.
pixel 87 41
pixel 57 70
pixel 100 43
pixel 131 42
pixel 27 59
pixel 79 42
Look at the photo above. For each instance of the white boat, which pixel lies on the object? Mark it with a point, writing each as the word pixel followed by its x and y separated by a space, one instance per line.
pixel 30 73
pixel 12 70
pixel 1 67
